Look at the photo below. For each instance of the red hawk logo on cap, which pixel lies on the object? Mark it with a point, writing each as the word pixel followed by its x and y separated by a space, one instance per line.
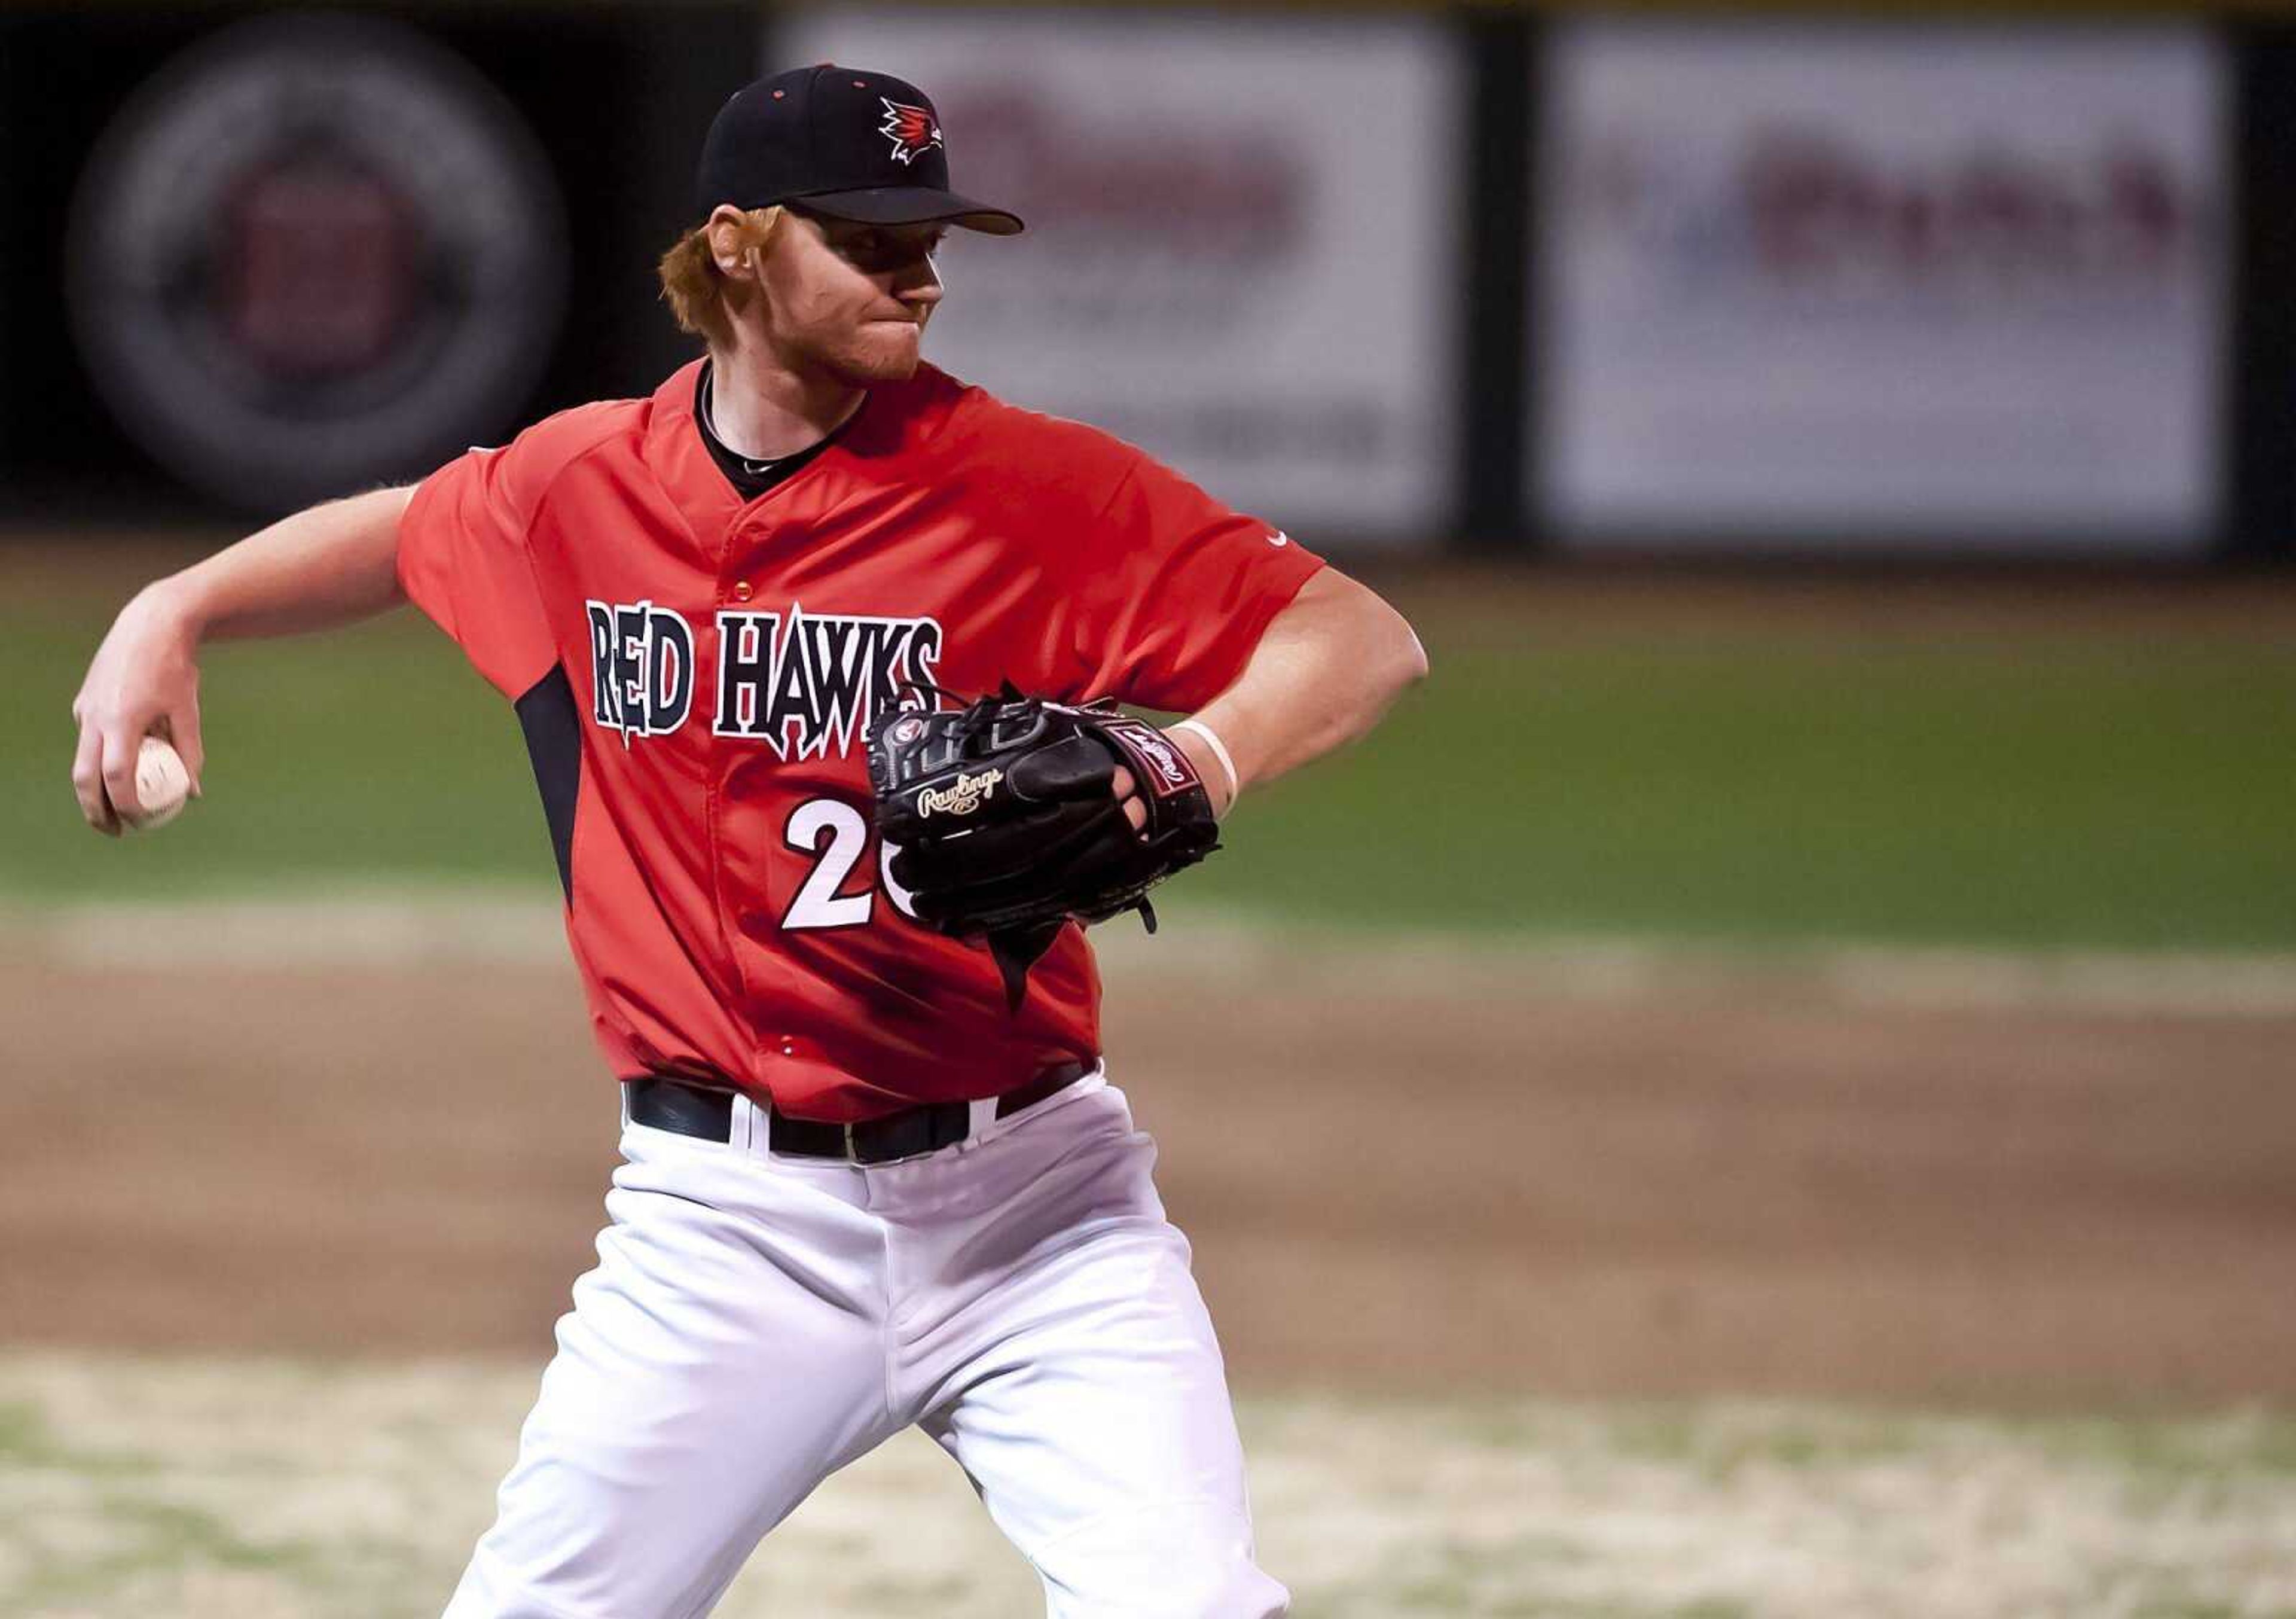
pixel 911 130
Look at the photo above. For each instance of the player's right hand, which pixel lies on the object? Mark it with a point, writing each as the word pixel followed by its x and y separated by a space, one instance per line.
pixel 144 679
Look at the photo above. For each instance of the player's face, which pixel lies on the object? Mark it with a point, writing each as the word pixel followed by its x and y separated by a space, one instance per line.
pixel 851 299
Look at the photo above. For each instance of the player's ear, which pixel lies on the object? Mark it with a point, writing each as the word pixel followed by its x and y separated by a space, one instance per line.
pixel 732 242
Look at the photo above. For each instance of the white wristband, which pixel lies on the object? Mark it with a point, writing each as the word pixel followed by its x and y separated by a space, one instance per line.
pixel 1219 751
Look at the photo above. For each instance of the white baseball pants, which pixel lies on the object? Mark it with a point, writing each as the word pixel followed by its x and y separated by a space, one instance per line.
pixel 755 1322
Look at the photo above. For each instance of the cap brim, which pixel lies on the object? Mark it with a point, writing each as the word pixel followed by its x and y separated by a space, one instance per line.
pixel 913 205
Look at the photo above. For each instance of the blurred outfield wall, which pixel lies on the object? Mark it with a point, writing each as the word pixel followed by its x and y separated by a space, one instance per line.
pixel 1843 281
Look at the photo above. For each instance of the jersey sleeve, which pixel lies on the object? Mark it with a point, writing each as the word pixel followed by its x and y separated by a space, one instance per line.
pixel 462 559
pixel 1174 590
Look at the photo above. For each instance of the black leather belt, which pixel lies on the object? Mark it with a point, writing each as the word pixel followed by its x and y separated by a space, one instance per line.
pixel 697 1110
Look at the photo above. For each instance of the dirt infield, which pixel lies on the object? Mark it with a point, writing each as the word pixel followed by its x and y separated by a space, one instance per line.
pixel 1451 1174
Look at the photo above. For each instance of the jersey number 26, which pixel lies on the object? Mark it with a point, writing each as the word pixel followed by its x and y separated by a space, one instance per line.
pixel 835 835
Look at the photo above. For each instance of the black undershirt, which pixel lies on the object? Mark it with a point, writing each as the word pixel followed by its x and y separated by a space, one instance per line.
pixel 751 478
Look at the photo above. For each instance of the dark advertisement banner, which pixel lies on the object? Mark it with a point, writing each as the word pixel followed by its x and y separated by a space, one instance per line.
pixel 254 260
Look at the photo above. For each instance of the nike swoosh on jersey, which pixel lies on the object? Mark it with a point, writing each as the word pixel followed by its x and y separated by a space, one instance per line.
pixel 1279 539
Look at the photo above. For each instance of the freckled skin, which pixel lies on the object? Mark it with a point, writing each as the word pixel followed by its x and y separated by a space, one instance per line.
pixel 852 300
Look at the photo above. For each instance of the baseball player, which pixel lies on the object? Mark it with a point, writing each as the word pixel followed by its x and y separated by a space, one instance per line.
pixel 873 1173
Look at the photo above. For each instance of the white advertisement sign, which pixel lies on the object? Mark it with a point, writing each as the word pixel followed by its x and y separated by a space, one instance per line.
pixel 1801 285
pixel 1241 245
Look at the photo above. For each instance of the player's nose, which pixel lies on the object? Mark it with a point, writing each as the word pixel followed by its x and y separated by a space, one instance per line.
pixel 919 284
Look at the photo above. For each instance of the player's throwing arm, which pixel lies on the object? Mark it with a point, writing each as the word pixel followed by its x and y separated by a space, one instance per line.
pixel 324 567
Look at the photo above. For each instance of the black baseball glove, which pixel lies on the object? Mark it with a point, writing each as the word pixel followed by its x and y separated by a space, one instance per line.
pixel 1006 822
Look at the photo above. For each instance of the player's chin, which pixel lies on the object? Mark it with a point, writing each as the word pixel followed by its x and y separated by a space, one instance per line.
pixel 883 351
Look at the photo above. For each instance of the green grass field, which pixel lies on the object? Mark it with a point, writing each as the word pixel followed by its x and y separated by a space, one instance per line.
pixel 2093 791
pixel 253 1488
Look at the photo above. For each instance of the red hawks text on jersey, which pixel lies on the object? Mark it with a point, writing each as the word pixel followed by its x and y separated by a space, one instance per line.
pixel 693 673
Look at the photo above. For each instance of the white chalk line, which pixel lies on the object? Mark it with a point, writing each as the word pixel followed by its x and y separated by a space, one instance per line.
pixel 394 926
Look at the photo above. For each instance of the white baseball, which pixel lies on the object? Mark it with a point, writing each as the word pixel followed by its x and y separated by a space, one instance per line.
pixel 162 785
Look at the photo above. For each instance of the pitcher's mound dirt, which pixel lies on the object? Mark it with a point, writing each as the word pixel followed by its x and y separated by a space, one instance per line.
pixel 1430 1182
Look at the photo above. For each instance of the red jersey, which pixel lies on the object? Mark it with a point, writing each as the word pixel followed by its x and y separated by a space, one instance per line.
pixel 694 671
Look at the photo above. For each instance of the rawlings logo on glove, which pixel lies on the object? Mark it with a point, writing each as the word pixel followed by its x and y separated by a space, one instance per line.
pixel 1007 825
pixel 961 797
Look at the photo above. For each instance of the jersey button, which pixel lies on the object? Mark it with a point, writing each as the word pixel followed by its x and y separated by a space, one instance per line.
pixel 742 590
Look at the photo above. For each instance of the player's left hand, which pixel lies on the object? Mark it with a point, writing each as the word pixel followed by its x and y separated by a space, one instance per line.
pixel 1127 794
pixel 1014 816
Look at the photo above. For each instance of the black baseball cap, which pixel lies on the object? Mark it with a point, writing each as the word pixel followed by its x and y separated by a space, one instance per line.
pixel 842 142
